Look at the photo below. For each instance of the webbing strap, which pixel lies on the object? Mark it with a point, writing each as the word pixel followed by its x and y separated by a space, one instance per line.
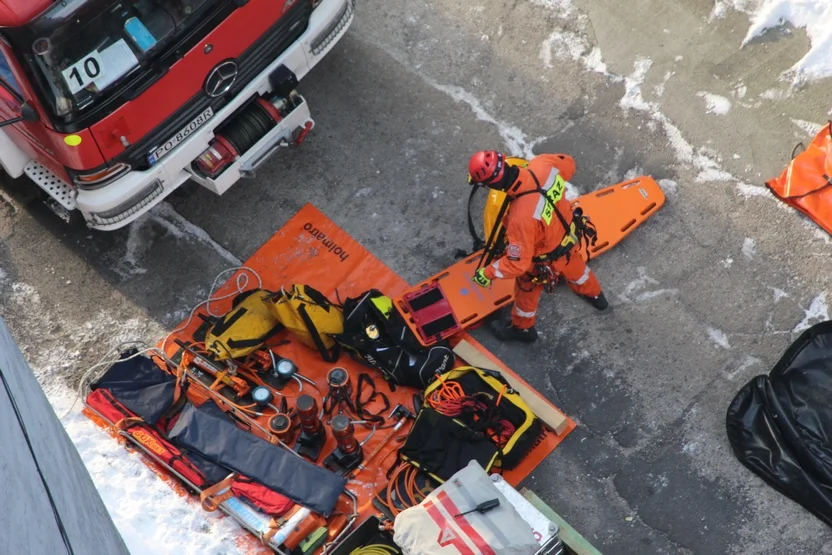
pixel 212 497
pixel 478 243
pixel 329 356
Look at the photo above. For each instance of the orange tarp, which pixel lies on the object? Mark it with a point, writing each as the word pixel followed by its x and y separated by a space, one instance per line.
pixel 310 249
pixel 806 183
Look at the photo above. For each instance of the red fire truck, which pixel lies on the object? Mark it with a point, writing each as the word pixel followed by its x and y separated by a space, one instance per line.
pixel 109 105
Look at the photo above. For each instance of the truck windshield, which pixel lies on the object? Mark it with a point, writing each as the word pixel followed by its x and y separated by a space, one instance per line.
pixel 82 49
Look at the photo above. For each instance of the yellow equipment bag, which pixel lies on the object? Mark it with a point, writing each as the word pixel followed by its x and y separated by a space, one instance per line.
pixel 244 328
pixel 310 317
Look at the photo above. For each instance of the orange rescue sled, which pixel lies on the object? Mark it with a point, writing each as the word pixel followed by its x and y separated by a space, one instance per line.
pixel 459 304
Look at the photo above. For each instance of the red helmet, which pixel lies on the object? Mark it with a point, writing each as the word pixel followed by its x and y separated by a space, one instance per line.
pixel 485 167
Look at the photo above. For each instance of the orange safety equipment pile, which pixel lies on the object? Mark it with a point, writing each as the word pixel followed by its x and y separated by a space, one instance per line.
pixel 359 421
pixel 806 183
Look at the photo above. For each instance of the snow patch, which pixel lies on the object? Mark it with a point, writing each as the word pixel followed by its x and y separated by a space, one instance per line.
pixel 747 190
pixel 774 94
pixel 561 8
pixel 633 99
pixel 567 45
pixel 749 248
pixel 719 337
pixel 668 186
pixel 778 294
pixel 747 362
pixel 659 89
pixel 150 516
pixel 818 311
pixel 690 447
pixel 815 16
pixel 635 292
pixel 810 128
pixel 649 295
pixel 632 173
pixel 721 7
pixel 714 103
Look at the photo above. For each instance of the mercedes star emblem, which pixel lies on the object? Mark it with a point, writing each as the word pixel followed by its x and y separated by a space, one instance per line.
pixel 221 79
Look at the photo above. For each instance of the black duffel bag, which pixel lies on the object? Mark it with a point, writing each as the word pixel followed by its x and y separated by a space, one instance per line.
pixel 376 335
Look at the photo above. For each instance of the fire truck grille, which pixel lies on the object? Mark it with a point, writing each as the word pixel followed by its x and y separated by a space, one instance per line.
pixel 250 63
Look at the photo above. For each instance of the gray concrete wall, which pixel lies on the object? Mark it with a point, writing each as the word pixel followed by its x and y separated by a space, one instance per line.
pixel 28 522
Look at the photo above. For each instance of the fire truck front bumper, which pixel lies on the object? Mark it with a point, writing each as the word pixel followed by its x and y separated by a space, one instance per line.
pixel 137 192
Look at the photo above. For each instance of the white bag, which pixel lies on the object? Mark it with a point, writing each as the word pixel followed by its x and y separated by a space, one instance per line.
pixel 433 527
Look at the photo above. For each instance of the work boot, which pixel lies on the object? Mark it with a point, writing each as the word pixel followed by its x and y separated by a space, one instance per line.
pixel 599 302
pixel 507 332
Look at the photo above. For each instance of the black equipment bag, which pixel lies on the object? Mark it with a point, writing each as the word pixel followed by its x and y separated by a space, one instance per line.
pixel 213 435
pixel 441 446
pixel 376 335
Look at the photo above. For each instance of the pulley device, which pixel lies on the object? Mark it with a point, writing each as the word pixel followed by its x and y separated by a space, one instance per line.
pixel 348 454
pixel 281 425
pixel 313 435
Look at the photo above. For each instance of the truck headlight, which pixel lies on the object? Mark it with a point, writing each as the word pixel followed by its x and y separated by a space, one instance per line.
pixel 99 177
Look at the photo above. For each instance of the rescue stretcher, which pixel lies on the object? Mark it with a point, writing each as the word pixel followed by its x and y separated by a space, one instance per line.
pixel 448 302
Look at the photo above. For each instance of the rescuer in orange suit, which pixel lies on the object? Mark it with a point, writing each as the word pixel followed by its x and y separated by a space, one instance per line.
pixel 541 232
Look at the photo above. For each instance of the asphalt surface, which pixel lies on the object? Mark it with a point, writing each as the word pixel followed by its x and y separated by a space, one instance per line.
pixel 704 296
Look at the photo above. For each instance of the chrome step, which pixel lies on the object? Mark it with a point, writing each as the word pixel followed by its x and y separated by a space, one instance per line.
pixel 55 187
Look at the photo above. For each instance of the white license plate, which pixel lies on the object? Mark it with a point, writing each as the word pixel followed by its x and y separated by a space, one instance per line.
pixel 183 134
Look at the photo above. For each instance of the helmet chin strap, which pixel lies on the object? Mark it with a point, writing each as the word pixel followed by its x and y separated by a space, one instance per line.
pixel 509 176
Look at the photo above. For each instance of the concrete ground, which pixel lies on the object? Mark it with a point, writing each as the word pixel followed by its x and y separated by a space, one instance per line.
pixel 704 296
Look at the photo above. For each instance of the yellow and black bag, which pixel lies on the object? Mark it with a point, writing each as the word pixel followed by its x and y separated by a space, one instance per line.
pixel 309 316
pixel 244 328
pixel 485 402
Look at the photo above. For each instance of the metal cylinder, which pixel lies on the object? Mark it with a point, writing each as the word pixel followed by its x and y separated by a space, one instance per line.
pixel 344 433
pixel 308 413
pixel 281 425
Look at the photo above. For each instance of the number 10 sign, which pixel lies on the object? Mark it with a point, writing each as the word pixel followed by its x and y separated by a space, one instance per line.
pixel 83 72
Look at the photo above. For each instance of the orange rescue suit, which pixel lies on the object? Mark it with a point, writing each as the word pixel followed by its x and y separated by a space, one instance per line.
pixel 534 229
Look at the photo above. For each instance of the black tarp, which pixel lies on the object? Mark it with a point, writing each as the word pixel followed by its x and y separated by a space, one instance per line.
pixel 140 385
pixel 780 425
pixel 220 440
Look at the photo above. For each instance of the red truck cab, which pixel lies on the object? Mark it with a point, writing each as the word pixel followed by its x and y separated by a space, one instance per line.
pixel 110 105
